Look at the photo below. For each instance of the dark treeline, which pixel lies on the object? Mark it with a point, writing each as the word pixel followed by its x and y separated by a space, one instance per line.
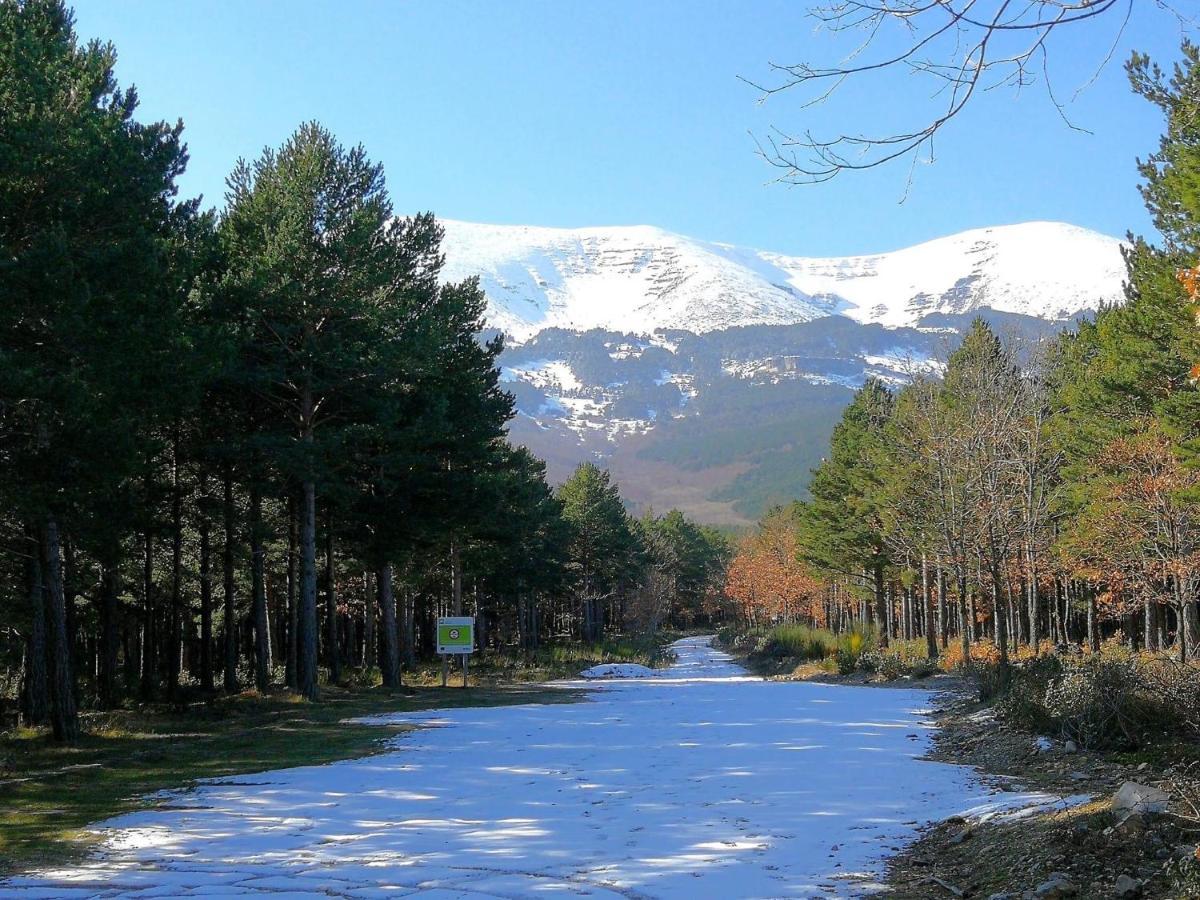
pixel 266 445
pixel 1033 493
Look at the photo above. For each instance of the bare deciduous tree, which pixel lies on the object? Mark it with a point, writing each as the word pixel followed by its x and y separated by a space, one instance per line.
pixel 958 48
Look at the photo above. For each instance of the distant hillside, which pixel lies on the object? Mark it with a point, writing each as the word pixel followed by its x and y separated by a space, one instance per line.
pixel 708 376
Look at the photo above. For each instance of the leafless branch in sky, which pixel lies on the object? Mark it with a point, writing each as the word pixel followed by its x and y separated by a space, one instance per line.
pixel 959 49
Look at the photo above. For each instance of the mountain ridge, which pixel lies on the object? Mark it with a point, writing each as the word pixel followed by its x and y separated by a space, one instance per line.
pixel 642 279
pixel 708 377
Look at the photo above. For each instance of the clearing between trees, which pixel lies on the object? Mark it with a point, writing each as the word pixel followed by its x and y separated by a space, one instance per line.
pixel 701 781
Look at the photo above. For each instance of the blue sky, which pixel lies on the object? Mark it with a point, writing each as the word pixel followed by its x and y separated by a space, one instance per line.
pixel 623 112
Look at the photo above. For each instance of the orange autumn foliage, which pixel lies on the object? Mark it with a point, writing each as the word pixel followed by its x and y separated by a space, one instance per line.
pixel 768 582
pixel 1140 534
pixel 1190 279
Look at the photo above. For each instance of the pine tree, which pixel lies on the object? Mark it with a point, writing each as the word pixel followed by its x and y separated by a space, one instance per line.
pixel 602 543
pixel 1127 380
pixel 309 245
pixel 86 316
pixel 841 526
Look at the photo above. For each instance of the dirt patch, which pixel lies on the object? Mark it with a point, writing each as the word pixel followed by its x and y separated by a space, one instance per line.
pixel 1074 849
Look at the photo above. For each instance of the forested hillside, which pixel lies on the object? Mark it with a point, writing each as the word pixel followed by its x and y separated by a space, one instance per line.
pixel 1037 497
pixel 261 446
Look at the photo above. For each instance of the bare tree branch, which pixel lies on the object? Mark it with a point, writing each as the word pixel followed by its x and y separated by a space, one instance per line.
pixel 961 47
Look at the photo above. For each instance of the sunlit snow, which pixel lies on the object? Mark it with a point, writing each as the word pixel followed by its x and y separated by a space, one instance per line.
pixel 642 280
pixel 697 782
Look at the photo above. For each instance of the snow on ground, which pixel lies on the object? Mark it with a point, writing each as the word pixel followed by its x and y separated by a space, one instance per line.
pixel 617 670
pixel 700 782
pixel 548 374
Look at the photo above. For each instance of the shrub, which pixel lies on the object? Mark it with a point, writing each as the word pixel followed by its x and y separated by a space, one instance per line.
pixel 1184 874
pixel 923 668
pixel 1024 703
pixel 891 667
pixel 801 642
pixel 1025 653
pixel 1177 687
pixel 870 661
pixel 730 635
pixel 1101 702
pixel 901 659
pixel 780 647
pixel 983 653
pixel 362 676
pixel 846 660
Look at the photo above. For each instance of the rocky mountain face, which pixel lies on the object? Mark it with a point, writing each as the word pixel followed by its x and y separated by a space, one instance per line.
pixel 708 377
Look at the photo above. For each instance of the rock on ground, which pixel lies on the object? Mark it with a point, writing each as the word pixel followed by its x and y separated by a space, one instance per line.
pixel 1140 798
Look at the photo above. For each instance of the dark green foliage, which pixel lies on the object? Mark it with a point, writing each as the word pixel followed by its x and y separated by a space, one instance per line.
pixel 602 543
pixel 268 441
pixel 90 321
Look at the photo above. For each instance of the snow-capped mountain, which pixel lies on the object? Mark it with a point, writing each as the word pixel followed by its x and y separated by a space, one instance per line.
pixel 639 280
pixel 708 377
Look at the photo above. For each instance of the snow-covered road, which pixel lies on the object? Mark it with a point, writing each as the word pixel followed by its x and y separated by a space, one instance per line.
pixel 700 783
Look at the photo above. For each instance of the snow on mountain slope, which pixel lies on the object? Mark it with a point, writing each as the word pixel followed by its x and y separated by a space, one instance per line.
pixel 632 279
pixel 1048 270
pixel 692 412
pixel 639 279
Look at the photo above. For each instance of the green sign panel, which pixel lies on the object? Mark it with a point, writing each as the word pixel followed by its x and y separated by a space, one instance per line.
pixel 456 634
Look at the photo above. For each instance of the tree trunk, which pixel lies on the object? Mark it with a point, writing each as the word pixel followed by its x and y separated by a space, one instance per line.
pixel 70 594
pixel 37 681
pixel 533 624
pixel 1065 611
pixel 943 612
pixel 1189 627
pixel 522 622
pixel 965 609
pixel 389 661
pixel 149 683
pixel 206 610
pixel 883 613
pixel 408 645
pixel 931 647
pixel 307 658
pixel 230 623
pixel 972 615
pixel 455 579
pixel 109 589
pixel 291 674
pixel 1000 612
pixel 1149 629
pixel 1093 624
pixel 64 721
pixel 262 632
pixel 481 634
pixel 368 654
pixel 1035 600
pixel 331 616
pixel 174 647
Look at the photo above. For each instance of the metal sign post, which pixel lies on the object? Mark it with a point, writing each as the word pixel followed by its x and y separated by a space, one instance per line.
pixel 455 637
